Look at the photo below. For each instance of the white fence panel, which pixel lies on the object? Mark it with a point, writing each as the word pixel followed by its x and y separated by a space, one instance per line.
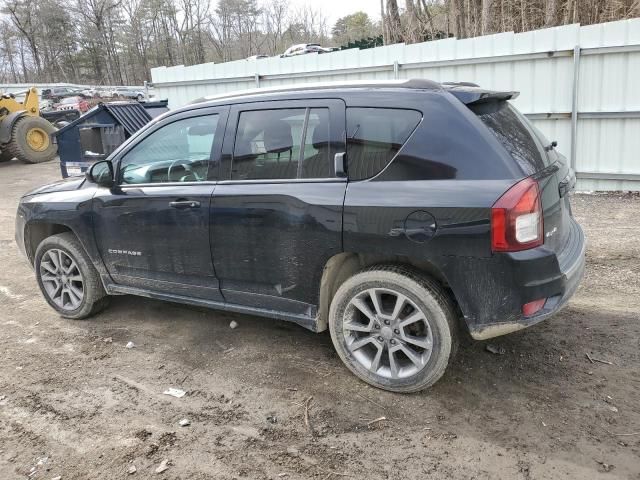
pixel 579 84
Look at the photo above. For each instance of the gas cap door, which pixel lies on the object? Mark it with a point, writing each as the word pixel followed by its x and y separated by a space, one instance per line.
pixel 420 226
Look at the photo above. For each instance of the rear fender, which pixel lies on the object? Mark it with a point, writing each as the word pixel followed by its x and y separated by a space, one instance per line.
pixel 6 126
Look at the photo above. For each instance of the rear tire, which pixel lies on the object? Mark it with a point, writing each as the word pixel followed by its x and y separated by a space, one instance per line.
pixel 393 328
pixel 67 278
pixel 30 141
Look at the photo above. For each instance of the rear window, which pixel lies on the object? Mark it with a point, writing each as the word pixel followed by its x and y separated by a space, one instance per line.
pixel 374 136
pixel 514 132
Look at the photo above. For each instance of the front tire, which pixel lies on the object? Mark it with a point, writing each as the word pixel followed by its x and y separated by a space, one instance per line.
pixel 67 278
pixel 393 328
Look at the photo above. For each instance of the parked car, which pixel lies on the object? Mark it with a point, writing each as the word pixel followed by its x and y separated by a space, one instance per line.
pixel 57 93
pixel 90 92
pixel 129 92
pixel 60 118
pixel 73 103
pixel 104 92
pixel 441 209
pixel 304 48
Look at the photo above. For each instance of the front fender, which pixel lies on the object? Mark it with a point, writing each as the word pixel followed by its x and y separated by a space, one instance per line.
pixel 50 213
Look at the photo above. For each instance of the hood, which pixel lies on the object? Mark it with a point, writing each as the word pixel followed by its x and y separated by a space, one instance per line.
pixel 68 184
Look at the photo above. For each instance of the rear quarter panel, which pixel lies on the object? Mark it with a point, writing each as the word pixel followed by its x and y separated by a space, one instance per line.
pixel 452 169
pixel 375 222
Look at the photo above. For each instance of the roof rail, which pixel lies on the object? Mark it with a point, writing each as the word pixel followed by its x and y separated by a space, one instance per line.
pixel 414 83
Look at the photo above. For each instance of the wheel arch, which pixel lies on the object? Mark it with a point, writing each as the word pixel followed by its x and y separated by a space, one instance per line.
pixel 36 231
pixel 343 265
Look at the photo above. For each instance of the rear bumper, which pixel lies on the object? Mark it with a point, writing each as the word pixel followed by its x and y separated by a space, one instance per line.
pixel 495 307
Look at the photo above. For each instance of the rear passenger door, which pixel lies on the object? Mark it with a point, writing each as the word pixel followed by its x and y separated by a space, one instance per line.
pixel 276 215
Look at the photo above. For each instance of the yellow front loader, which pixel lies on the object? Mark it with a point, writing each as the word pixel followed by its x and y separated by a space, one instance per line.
pixel 24 134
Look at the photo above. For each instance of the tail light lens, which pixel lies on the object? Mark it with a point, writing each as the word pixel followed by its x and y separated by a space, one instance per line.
pixel 531 308
pixel 516 218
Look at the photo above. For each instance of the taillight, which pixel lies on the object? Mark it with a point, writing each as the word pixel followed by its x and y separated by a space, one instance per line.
pixel 516 218
pixel 531 308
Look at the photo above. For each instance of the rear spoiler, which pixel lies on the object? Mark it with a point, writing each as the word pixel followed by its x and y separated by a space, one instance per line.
pixel 472 95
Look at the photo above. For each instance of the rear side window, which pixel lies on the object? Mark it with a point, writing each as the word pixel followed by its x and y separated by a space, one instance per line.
pixel 374 137
pixel 514 132
pixel 282 144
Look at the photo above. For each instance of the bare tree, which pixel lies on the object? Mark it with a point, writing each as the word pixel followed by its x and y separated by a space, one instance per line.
pixel 115 41
pixel 394 26
pixel 486 16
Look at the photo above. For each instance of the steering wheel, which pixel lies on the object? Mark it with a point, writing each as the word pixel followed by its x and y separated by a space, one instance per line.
pixel 190 175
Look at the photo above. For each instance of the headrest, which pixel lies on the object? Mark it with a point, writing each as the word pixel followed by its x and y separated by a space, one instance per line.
pixel 320 137
pixel 277 137
pixel 242 150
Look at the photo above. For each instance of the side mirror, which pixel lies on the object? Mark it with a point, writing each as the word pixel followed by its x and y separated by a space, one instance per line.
pixel 101 173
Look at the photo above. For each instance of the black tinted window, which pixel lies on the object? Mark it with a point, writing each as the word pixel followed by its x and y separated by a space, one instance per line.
pixel 374 136
pixel 270 145
pixel 514 132
pixel 317 147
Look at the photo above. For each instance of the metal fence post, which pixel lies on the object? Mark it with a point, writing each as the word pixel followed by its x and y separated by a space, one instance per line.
pixel 257 80
pixel 396 68
pixel 574 105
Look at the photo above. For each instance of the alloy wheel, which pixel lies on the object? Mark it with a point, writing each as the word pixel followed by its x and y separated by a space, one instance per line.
pixel 62 279
pixel 387 333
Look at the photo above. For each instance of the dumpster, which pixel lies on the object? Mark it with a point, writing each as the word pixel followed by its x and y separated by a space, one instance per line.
pixel 96 134
pixel 156 108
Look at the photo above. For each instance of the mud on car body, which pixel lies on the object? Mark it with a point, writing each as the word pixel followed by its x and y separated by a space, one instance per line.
pixel 393 214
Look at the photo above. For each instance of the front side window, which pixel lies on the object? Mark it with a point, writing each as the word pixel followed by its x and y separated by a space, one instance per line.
pixel 282 144
pixel 177 152
pixel 374 137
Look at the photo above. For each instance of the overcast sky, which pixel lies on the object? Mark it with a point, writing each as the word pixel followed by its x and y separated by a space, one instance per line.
pixel 334 9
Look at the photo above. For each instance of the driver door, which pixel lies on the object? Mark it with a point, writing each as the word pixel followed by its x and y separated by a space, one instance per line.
pixel 152 228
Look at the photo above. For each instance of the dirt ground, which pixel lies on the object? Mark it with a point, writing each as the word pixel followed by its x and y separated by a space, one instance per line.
pixel 76 403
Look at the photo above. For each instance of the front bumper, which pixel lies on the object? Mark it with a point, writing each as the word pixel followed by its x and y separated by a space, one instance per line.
pixel 508 281
pixel 19 232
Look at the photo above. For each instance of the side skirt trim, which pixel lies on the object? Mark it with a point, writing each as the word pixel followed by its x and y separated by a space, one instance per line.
pixel 305 321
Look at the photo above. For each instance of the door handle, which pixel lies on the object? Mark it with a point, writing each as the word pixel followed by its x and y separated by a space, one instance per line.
pixel 182 204
pixel 339 164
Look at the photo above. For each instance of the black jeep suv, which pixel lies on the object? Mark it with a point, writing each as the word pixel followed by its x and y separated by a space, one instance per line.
pixel 391 213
